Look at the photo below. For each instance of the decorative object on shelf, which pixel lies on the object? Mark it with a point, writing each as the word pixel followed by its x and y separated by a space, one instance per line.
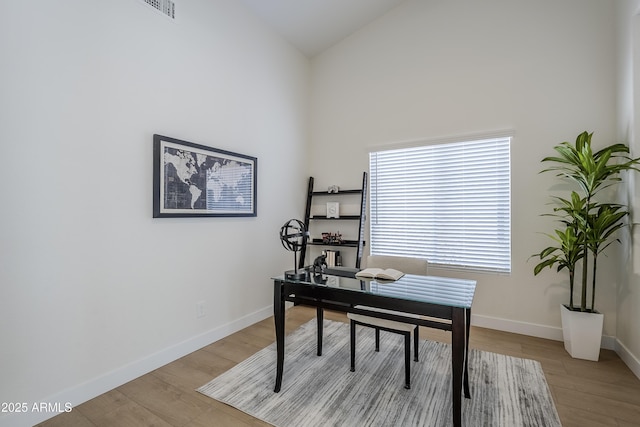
pixel 333 258
pixel 293 236
pixel 332 238
pixel 588 222
pixel 333 210
pixel 192 180
pixel 333 189
pixel 319 264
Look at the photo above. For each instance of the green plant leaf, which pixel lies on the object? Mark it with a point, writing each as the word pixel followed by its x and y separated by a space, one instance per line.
pixel 587 225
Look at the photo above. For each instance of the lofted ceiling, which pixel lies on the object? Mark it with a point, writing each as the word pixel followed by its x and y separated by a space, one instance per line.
pixel 315 25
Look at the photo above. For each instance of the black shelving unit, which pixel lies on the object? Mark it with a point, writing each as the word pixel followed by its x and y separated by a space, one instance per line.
pixel 360 219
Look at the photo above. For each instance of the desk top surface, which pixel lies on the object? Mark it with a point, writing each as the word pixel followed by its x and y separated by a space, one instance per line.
pixel 430 289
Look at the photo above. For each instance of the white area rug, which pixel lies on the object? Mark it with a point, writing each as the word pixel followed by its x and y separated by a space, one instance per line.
pixel 321 391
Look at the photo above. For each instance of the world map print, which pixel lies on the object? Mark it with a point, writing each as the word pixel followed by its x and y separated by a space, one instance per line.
pixel 201 182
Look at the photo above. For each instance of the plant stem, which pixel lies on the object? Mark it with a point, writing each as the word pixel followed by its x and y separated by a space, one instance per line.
pixel 593 283
pixel 583 293
pixel 572 275
pixel 585 253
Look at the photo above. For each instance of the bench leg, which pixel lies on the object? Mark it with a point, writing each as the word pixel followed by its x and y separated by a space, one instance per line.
pixel 352 331
pixel 407 360
pixel 416 342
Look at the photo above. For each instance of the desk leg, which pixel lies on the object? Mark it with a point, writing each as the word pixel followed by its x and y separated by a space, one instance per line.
pixel 278 316
pixel 457 362
pixel 467 393
pixel 320 320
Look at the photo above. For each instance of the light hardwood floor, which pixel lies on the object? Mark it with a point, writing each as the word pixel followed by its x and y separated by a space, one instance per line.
pixel 604 393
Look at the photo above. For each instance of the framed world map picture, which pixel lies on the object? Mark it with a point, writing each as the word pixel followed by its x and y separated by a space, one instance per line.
pixel 196 180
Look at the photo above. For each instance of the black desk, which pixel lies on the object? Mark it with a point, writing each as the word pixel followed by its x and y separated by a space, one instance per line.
pixel 447 301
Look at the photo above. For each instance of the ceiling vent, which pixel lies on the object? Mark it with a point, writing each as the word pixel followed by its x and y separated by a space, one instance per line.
pixel 167 7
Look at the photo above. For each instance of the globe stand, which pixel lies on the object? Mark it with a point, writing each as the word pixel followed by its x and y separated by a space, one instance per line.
pixel 296 274
pixel 293 236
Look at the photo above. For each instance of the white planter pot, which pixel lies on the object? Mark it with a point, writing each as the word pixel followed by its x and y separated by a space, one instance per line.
pixel 582 333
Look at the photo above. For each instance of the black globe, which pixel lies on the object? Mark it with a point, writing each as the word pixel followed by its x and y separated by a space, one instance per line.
pixel 293 235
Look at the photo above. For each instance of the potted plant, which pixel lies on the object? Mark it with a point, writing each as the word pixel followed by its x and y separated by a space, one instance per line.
pixel 588 224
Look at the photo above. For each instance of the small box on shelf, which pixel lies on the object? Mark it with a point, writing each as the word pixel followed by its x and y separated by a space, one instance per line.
pixel 333 210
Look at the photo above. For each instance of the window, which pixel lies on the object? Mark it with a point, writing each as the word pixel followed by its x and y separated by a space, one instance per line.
pixel 448 203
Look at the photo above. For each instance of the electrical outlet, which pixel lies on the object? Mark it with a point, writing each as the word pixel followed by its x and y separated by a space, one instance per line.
pixel 200 309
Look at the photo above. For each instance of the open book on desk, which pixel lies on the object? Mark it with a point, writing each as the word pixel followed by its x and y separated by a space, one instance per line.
pixel 379 273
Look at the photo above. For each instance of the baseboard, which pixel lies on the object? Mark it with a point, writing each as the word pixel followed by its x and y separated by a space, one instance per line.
pixel 82 392
pixel 531 329
pixel 628 358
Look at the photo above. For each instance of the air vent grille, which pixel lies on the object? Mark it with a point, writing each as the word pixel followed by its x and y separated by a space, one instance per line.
pixel 167 7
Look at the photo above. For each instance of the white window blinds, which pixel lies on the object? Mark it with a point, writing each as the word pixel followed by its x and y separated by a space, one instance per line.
pixel 448 203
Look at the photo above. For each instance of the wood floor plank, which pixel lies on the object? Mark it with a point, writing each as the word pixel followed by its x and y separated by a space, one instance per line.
pixel 131 414
pixel 217 418
pixel 253 337
pixel 600 406
pixel 190 371
pixel 107 402
pixel 572 417
pixel 586 394
pixel 167 401
pixel 621 392
pixel 68 419
pixel 232 350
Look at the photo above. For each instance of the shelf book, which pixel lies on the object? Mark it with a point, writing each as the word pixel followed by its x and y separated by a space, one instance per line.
pixel 333 258
pixel 379 273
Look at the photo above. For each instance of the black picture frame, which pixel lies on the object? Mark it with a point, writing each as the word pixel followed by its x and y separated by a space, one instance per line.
pixel 193 180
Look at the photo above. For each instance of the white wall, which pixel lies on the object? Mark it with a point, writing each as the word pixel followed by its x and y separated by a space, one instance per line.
pixel 94 290
pixel 628 303
pixel 430 69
